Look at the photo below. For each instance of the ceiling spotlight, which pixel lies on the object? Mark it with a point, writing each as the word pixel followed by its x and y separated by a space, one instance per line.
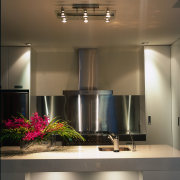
pixel 64 20
pixel 107 20
pixel 86 20
pixel 62 13
pixel 108 15
pixel 145 43
pixel 28 44
pixel 85 14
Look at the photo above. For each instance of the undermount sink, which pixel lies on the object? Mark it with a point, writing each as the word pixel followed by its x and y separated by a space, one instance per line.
pixel 111 148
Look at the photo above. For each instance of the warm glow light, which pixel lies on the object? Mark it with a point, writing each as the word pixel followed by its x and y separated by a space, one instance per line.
pixel 152 72
pixel 24 61
pixel 108 175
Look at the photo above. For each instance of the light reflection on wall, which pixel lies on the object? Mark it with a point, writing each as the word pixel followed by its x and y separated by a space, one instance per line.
pixel 109 175
pixel 26 72
pixel 19 67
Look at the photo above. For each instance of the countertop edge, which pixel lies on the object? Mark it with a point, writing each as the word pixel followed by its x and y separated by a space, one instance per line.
pixel 89 165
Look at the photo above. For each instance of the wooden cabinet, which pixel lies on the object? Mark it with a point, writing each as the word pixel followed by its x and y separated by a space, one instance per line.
pixel 158 94
pixel 175 83
pixel 15 67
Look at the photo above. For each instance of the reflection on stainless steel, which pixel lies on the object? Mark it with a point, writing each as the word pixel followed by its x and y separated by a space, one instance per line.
pixel 87 69
pixel 79 113
pixel 88 111
pixel 130 114
pixel 132 142
pixel 52 106
pixel 97 111
pixel 46 106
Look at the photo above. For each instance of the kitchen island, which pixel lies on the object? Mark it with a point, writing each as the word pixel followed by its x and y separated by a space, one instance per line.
pixel 151 161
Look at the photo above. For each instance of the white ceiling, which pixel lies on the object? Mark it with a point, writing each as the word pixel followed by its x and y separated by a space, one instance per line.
pixel 136 21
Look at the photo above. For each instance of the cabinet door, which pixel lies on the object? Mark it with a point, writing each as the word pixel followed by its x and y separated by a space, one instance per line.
pixel 161 175
pixel 158 94
pixel 175 83
pixel 19 67
pixel 4 67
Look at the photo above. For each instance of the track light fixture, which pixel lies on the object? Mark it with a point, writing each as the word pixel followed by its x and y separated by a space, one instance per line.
pixel 63 17
pixel 108 15
pixel 85 12
pixel 62 13
pixel 85 16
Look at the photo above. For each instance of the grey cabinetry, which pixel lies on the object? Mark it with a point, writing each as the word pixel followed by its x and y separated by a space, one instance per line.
pixel 15 67
pixel 175 83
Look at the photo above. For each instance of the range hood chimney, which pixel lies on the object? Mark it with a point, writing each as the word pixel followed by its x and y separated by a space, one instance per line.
pixel 88 109
pixel 87 69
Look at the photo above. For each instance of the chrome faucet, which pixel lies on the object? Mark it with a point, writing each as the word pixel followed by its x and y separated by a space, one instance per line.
pixel 115 141
pixel 133 142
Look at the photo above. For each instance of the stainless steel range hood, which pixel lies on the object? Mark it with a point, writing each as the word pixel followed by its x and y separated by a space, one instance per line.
pixel 87 69
pixel 88 109
pixel 91 110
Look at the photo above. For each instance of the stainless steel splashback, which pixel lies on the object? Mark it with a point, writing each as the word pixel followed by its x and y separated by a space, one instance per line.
pixel 97 112
pixel 88 110
pixel 129 112
pixel 87 69
pixel 52 106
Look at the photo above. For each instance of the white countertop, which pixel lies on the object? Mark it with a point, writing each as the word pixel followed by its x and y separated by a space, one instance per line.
pixel 92 152
pixel 89 158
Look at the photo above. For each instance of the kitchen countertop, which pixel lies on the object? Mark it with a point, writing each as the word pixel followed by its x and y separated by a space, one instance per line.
pixel 89 158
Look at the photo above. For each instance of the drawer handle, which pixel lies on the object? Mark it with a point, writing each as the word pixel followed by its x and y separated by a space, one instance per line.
pixel 18 86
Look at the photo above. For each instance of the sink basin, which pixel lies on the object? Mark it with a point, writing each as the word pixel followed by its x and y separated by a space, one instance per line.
pixel 111 148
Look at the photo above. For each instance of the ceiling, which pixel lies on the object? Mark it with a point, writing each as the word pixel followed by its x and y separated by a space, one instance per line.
pixel 136 21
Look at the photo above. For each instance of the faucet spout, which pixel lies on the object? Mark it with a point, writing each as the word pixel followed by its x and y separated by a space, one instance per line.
pixel 115 141
pixel 111 138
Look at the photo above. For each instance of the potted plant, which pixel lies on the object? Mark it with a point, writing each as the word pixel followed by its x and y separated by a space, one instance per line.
pixel 38 130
